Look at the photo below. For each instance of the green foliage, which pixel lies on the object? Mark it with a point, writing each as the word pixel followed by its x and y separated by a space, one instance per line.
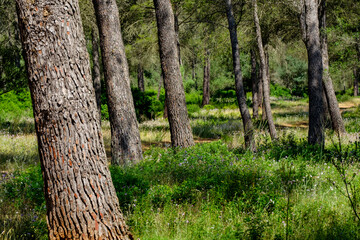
pixel 279 91
pixel 12 69
pixel 147 106
pixel 293 74
pixel 23 204
pixel 16 112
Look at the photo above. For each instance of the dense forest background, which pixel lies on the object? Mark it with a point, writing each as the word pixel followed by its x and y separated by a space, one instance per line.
pixel 202 33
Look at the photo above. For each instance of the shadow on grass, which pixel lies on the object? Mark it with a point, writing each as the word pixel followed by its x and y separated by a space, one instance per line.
pixel 15 127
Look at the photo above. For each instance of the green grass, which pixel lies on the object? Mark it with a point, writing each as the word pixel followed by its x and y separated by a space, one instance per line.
pixel 215 190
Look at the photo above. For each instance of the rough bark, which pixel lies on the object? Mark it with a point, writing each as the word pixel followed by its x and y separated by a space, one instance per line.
pixel 255 85
pixel 311 36
pixel 140 77
pixel 96 70
pixel 177 29
pixel 206 80
pixel 181 134
pixel 80 198
pixel 265 73
pixel 332 103
pixel 159 86
pixel 239 85
pixel 125 135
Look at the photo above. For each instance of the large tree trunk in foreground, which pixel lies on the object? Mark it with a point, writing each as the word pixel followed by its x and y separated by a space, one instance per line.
pixel 311 36
pixel 125 135
pixel 255 85
pixel 140 77
pixel 80 197
pixel 239 85
pixel 333 105
pixel 265 73
pixel 181 134
pixel 96 70
pixel 206 80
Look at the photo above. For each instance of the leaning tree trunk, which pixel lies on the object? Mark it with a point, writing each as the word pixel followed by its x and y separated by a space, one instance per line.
pixel 140 77
pixel 357 69
pixel 96 70
pixel 181 135
pixel 239 85
pixel 80 197
pixel 265 73
pixel 255 85
pixel 206 80
pixel 125 135
pixel 356 82
pixel 311 36
pixel 333 105
pixel 177 34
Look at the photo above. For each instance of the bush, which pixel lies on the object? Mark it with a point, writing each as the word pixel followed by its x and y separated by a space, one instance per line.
pixel 147 106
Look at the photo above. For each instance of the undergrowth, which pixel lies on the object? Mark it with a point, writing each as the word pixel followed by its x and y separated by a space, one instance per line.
pixel 210 192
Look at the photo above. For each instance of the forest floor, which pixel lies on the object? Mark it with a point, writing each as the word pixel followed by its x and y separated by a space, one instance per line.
pixel 215 190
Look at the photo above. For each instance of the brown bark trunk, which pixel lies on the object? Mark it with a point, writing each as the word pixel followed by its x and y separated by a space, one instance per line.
pixel 311 36
pixel 356 82
pixel 357 69
pixel 333 105
pixel 80 198
pixel 159 86
pixel 125 135
pixel 96 70
pixel 265 74
pixel 206 81
pixel 255 85
pixel 140 77
pixel 239 86
pixel 177 29
pixel 181 134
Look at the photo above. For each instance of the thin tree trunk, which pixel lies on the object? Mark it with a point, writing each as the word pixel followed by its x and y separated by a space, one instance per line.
pixel 125 135
pixel 356 82
pixel 80 197
pixel 239 86
pixel 177 29
pixel 206 81
pixel 96 70
pixel 311 36
pixel 140 77
pixel 255 85
pixel 333 105
pixel 265 74
pixel 159 86
pixel 181 134
pixel 357 69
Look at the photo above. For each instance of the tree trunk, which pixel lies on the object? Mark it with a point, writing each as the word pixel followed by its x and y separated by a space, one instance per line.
pixel 206 82
pixel 80 197
pixel 265 74
pixel 333 106
pixel 239 86
pixel 255 85
pixel 140 77
pixel 311 36
pixel 181 134
pixel 96 70
pixel 159 86
pixel 357 69
pixel 177 29
pixel 125 135
pixel 356 82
